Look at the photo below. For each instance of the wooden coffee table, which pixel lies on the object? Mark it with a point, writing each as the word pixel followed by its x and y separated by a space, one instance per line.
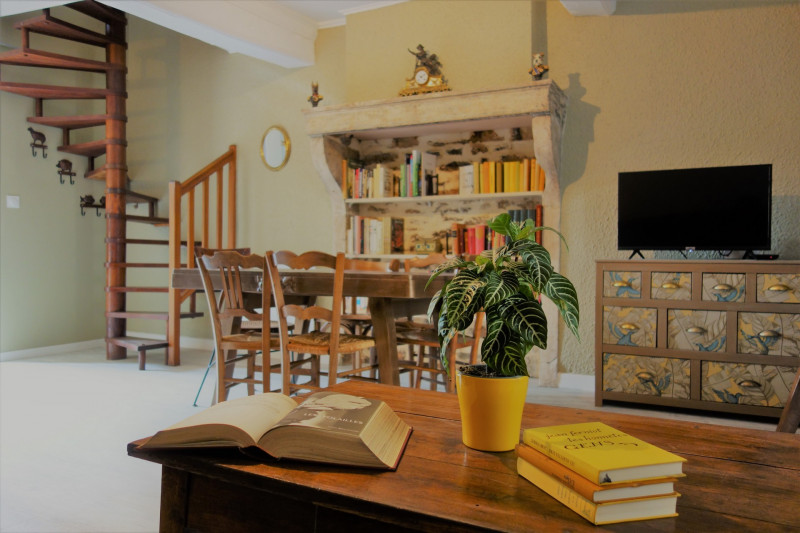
pixel 737 480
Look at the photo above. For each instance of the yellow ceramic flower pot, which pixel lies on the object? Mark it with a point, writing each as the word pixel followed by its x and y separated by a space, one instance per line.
pixel 491 411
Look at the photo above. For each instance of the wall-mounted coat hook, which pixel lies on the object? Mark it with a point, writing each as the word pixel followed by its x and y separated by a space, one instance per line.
pixel 38 142
pixel 65 169
pixel 88 201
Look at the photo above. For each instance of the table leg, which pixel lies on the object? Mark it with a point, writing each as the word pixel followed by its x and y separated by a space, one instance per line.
pixel 383 329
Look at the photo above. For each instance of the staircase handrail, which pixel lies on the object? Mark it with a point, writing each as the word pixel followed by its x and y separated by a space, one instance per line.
pixel 225 211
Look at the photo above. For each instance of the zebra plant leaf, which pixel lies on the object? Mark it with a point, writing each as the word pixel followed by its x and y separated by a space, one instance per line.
pixel 527 319
pixel 499 286
pixel 561 291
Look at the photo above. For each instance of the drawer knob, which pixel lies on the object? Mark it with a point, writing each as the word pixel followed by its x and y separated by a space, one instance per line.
pixel 628 326
pixel 779 287
pixel 696 329
pixel 670 285
pixel 769 334
pixel 723 287
pixel 750 384
pixel 621 284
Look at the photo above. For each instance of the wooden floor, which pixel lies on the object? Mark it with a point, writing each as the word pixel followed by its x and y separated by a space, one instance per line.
pixel 65 420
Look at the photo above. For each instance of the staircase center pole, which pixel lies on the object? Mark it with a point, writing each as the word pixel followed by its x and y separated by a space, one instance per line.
pixel 116 177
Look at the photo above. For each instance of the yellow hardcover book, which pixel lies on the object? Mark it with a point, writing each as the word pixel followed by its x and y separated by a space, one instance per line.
pixel 498 176
pixel 603 454
pixel 492 176
pixel 541 178
pixel 535 175
pixel 592 491
pixel 476 171
pixel 600 513
pixel 526 175
pixel 488 181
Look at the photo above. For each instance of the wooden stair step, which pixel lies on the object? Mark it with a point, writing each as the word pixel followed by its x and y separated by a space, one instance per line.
pixel 53 92
pixel 151 315
pixel 137 289
pixel 39 58
pixel 139 344
pixel 137 265
pixel 88 149
pixel 98 174
pixel 46 24
pixel 98 11
pixel 71 123
pixel 133 197
pixel 155 221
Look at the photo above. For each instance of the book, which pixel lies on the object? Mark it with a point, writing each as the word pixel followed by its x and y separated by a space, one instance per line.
pixel 466 179
pixel 600 513
pixel 592 491
pixel 328 427
pixel 603 454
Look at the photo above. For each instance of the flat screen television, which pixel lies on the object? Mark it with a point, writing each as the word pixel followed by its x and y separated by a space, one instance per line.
pixel 717 208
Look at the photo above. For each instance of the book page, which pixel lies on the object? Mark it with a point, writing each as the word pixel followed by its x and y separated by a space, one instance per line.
pixel 252 414
pixel 334 411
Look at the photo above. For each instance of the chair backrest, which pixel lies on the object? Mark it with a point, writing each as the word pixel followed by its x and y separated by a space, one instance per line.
pixel 302 314
pixel 232 303
pixel 423 262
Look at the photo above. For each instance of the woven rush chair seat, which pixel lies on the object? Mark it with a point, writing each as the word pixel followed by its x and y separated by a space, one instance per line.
pixel 318 342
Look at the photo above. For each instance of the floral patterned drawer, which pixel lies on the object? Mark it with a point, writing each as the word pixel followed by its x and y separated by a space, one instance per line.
pixel 746 384
pixel 666 377
pixel 671 285
pixel 723 287
pixel 618 284
pixel 778 288
pixel 629 326
pixel 702 331
pixel 769 334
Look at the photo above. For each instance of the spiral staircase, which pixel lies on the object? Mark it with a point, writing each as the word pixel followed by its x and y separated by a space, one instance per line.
pixel 102 27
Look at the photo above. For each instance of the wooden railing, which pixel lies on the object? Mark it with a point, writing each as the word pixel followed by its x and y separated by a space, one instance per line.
pixel 186 220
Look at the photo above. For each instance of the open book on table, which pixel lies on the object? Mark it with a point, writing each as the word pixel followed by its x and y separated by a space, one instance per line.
pixel 328 427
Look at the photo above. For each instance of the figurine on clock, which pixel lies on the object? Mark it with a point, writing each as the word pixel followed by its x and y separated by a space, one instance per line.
pixel 427 76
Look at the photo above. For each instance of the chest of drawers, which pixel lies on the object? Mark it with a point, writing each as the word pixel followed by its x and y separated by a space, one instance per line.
pixel 711 335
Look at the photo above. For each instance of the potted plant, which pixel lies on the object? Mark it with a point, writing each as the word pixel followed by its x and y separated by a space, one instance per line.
pixel 507 284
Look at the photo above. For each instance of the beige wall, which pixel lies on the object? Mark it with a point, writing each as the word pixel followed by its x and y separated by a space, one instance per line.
pixel 666 86
pixel 656 85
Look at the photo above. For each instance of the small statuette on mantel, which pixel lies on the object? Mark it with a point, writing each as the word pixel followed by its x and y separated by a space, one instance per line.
pixel 538 68
pixel 315 96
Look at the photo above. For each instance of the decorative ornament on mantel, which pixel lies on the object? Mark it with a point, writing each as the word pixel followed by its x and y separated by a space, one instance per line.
pixel 538 68
pixel 38 142
pixel 315 96
pixel 427 77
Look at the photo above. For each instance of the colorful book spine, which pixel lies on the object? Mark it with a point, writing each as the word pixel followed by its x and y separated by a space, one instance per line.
pixel 600 513
pixel 592 491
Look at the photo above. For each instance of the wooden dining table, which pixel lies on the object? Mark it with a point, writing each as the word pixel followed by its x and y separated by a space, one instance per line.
pixel 390 294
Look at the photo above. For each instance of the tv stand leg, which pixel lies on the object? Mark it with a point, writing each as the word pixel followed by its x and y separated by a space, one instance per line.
pixel 636 252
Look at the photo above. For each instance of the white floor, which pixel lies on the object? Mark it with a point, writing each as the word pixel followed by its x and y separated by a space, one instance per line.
pixel 66 419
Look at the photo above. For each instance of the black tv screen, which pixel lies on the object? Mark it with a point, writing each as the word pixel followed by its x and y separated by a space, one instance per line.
pixel 718 208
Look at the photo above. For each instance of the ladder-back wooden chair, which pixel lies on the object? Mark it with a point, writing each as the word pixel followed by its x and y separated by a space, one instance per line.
pixel 423 340
pixel 200 251
pixel 227 314
pixel 790 416
pixel 302 349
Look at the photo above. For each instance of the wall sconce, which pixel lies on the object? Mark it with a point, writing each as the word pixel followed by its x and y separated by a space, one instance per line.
pixel 88 201
pixel 65 169
pixel 38 142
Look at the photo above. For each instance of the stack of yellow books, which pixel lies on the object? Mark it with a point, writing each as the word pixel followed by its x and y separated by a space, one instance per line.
pixel 601 473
